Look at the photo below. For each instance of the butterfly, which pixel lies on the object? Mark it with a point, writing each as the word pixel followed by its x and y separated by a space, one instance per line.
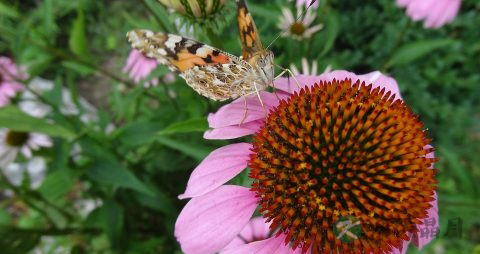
pixel 211 72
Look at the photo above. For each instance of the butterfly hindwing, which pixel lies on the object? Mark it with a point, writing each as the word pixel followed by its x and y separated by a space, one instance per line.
pixel 177 52
pixel 220 81
pixel 249 36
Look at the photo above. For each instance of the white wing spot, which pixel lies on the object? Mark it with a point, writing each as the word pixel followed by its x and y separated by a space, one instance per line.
pixel 202 51
pixel 172 39
pixel 162 52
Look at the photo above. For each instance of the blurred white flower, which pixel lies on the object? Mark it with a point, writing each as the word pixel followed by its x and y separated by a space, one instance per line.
pixel 306 3
pixel 30 104
pixel 85 206
pixel 34 169
pixel 306 70
pixel 14 142
pixel 298 28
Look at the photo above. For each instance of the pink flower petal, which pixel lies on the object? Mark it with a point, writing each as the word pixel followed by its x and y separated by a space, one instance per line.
pixel 208 223
pixel 233 113
pixel 402 3
pixel 376 78
pixel 257 229
pixel 235 131
pixel 420 242
pixel 272 245
pixel 403 249
pixel 435 13
pixel 217 168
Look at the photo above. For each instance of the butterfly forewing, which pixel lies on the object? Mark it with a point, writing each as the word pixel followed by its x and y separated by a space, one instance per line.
pixel 249 36
pixel 178 53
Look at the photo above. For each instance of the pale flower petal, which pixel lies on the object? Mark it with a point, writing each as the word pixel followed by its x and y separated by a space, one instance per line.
pixel 217 168
pixel 257 229
pixel 209 222
pixel 234 131
pixel 435 13
pixel 275 245
pixel 233 113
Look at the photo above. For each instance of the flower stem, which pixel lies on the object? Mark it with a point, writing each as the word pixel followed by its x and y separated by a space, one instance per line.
pixel 24 197
pixel 55 231
pixel 398 43
pixel 163 27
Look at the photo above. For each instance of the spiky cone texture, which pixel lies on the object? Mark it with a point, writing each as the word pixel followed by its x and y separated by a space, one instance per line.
pixel 338 149
pixel 284 169
pixel 195 9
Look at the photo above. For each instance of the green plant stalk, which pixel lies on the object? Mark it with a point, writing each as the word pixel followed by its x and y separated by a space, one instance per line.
pixel 398 43
pixel 157 18
pixel 55 231
pixel 24 197
pixel 214 39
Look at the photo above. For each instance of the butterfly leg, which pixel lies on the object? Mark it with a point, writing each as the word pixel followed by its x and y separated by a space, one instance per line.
pixel 246 110
pixel 260 99
pixel 273 84
pixel 284 70
pixel 246 105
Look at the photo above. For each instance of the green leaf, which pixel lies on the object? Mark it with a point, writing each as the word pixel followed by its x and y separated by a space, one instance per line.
pixel 194 150
pixel 137 133
pixel 191 125
pixel 56 185
pixel 332 30
pixel 415 50
pixel 79 68
pixel 5 217
pixel 160 202
pixel 160 13
pixel 78 39
pixel 8 11
pixel 17 241
pixel 13 118
pixel 113 218
pixel 113 173
pixel 458 170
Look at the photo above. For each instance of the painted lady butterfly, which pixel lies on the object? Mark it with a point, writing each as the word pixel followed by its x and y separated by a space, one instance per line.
pixel 209 71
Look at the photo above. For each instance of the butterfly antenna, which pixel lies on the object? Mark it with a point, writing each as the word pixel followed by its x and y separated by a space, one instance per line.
pixel 298 18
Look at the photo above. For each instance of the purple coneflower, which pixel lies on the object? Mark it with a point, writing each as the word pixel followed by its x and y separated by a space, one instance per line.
pixel 342 144
pixel 9 86
pixel 435 13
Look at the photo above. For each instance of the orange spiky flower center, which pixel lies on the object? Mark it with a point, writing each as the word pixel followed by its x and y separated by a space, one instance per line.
pixel 339 149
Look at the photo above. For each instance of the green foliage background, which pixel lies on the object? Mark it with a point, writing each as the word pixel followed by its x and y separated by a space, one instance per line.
pixel 139 169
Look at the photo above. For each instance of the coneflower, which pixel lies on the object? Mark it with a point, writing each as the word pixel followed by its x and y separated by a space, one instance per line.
pixel 342 145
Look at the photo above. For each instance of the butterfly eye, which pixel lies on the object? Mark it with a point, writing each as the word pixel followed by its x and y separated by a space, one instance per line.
pixel 261 62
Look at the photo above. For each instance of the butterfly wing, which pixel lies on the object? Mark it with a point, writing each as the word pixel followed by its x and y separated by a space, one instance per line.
pixel 178 53
pixel 220 81
pixel 249 36
pixel 209 71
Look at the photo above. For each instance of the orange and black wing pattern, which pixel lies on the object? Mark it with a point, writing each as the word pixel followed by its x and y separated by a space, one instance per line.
pixel 178 53
pixel 249 36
